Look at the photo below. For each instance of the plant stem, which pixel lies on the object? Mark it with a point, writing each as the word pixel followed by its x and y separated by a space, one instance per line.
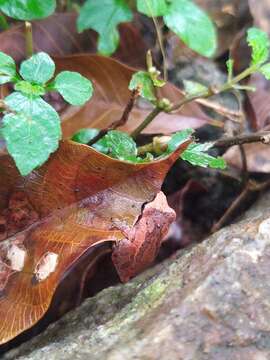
pixel 3 22
pixel 124 118
pixel 250 187
pixel 229 85
pixel 161 46
pixel 263 137
pixel 28 39
pixel 146 122
pixel 229 212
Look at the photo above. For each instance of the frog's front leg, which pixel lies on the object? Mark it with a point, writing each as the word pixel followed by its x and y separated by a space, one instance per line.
pixel 133 254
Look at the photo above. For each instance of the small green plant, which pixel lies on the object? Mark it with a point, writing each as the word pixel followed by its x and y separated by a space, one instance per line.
pixel 31 127
pixel 146 83
pixel 183 17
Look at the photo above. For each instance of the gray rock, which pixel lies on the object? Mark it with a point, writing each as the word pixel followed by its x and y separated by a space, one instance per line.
pixel 208 302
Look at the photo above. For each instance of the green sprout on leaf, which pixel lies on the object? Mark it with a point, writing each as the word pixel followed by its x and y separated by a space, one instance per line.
pixel 31 127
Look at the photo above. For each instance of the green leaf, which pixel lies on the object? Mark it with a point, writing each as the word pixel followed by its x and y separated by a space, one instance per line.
pixel 119 145
pixel 32 133
pixel 195 155
pixel 74 87
pixel 104 16
pixel 179 138
pixel 154 75
pixel 84 136
pixel 7 68
pixel 153 8
pixel 193 26
pixel 259 42
pixel 29 89
pixel 265 70
pixel 194 88
pixel 142 81
pixel 38 69
pixel 27 9
pixel 229 64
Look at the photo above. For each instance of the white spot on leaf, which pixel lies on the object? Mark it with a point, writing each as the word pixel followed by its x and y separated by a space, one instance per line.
pixel 16 256
pixel 46 265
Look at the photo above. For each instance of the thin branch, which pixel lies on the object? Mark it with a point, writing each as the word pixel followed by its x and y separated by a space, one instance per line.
pixel 250 187
pixel 244 172
pixel 228 213
pixel 122 121
pixel 232 114
pixel 189 98
pixel 161 45
pixel 263 137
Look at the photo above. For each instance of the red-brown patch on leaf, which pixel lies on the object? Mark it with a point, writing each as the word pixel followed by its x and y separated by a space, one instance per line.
pixel 139 250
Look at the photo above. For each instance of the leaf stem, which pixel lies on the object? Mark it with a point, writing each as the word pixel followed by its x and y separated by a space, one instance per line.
pixel 124 118
pixel 28 39
pixel 146 122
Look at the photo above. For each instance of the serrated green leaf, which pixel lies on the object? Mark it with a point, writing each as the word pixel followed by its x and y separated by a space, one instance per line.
pixel 27 9
pixel 29 89
pixel 84 136
pixel 153 8
pixel 120 145
pixel 259 42
pixel 193 26
pixel 142 81
pixel 196 156
pixel 38 69
pixel 32 133
pixel 193 88
pixel 104 16
pixel 7 68
pixel 179 138
pixel 74 87
pixel 265 70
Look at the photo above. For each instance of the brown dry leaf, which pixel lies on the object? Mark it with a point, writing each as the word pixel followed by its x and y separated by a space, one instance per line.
pixel 49 219
pixel 257 154
pixel 111 95
pixel 58 36
pixel 259 101
pixel 260 10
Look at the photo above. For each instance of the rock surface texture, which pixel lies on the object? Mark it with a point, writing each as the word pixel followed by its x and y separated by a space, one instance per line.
pixel 208 302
